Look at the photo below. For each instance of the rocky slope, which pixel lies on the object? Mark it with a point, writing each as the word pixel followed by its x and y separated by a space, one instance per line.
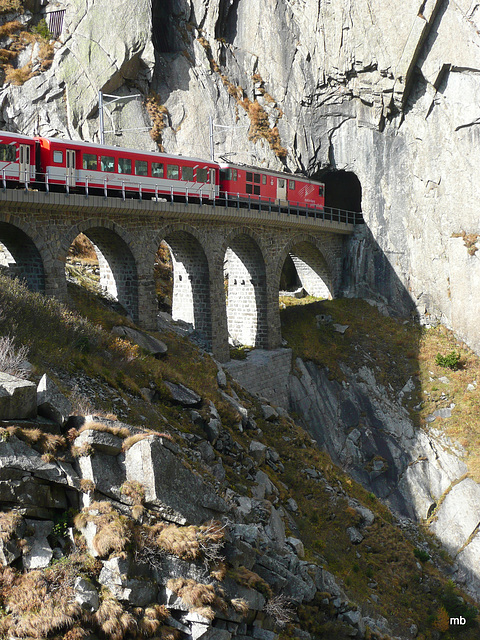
pixel 213 517
pixel 386 96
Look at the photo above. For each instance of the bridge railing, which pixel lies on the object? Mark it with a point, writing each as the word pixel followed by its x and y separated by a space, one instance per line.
pixel 125 189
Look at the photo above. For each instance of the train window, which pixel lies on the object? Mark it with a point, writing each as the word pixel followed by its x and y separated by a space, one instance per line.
pixel 291 184
pixel 141 168
pixel 320 190
pixel 249 176
pixel 58 157
pixel 90 161
pixel 281 183
pixel 107 163
pixel 173 172
pixel 249 188
pixel 256 189
pixel 256 178
pixel 235 174
pixel 187 174
pixel 157 170
pixel 264 179
pixel 124 165
pixel 8 153
pixel 202 175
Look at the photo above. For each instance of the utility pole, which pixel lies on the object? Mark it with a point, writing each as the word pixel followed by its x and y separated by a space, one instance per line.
pixel 211 126
pixel 212 148
pixel 112 99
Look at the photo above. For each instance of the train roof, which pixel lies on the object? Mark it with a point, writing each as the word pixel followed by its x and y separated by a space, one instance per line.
pixel 273 172
pixel 20 136
pixel 153 154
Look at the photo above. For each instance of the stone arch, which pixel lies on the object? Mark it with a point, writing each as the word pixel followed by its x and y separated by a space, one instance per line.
pixel 117 263
pixel 191 278
pixel 22 254
pixel 314 264
pixel 247 302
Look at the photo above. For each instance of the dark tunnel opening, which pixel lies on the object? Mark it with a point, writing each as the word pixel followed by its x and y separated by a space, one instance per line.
pixel 163 32
pixel 342 190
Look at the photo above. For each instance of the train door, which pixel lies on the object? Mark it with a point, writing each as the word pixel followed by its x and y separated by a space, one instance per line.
pixel 213 181
pixel 24 162
pixel 281 189
pixel 70 172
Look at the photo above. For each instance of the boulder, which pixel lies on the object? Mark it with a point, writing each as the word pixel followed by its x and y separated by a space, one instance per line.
pixel 39 551
pixel 9 552
pixel 183 395
pixel 258 451
pixel 86 595
pixel 104 471
pixel 101 441
pixel 18 398
pixel 137 592
pixel 297 546
pixel 51 403
pixel 269 413
pixel 179 494
pixel 148 343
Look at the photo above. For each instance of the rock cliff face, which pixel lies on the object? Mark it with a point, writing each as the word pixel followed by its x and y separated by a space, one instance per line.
pixel 382 94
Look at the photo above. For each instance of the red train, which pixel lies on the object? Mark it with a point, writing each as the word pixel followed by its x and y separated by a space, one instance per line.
pixel 86 167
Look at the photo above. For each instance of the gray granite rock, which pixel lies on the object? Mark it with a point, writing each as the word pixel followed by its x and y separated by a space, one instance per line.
pixel 18 398
pixel 170 487
pixel 51 402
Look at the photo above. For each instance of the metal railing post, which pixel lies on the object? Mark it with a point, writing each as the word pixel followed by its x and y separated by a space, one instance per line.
pixel 105 190
pixel 156 193
pixel 86 187
pixel 171 195
pixel 140 191
pixel 123 190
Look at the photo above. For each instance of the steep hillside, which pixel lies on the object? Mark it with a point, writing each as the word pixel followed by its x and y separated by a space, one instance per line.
pixel 298 550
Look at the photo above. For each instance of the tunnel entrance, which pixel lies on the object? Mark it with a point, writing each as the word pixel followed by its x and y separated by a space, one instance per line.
pixel 342 189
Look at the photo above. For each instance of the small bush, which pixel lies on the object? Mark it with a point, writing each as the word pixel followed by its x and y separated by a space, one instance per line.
pixel 423 556
pixel 280 609
pixel 42 30
pixel 449 361
pixel 12 359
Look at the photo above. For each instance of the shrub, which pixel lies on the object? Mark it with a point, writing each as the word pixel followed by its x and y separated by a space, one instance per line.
pixel 42 30
pixel 280 609
pixel 12 359
pixel 449 361
pixel 423 556
pixel 456 606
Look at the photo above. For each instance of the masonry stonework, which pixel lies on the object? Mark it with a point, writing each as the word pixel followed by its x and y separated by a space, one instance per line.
pixel 209 245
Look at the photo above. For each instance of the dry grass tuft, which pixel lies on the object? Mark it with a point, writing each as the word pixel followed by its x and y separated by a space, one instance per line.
pixel 152 620
pixel 252 580
pixel 121 432
pixel 41 603
pixel 197 596
pixel 7 6
pixel 9 522
pixel 133 490
pixel 19 76
pixel 87 486
pixel 188 543
pixel 157 112
pixel 240 605
pixel 280 609
pixel 43 442
pixel 113 620
pixel 114 531
pixel 130 441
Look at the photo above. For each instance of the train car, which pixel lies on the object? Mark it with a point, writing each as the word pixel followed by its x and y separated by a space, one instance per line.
pixel 17 158
pixel 83 165
pixel 253 184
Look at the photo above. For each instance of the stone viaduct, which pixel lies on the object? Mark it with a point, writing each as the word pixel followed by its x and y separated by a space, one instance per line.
pixel 209 245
